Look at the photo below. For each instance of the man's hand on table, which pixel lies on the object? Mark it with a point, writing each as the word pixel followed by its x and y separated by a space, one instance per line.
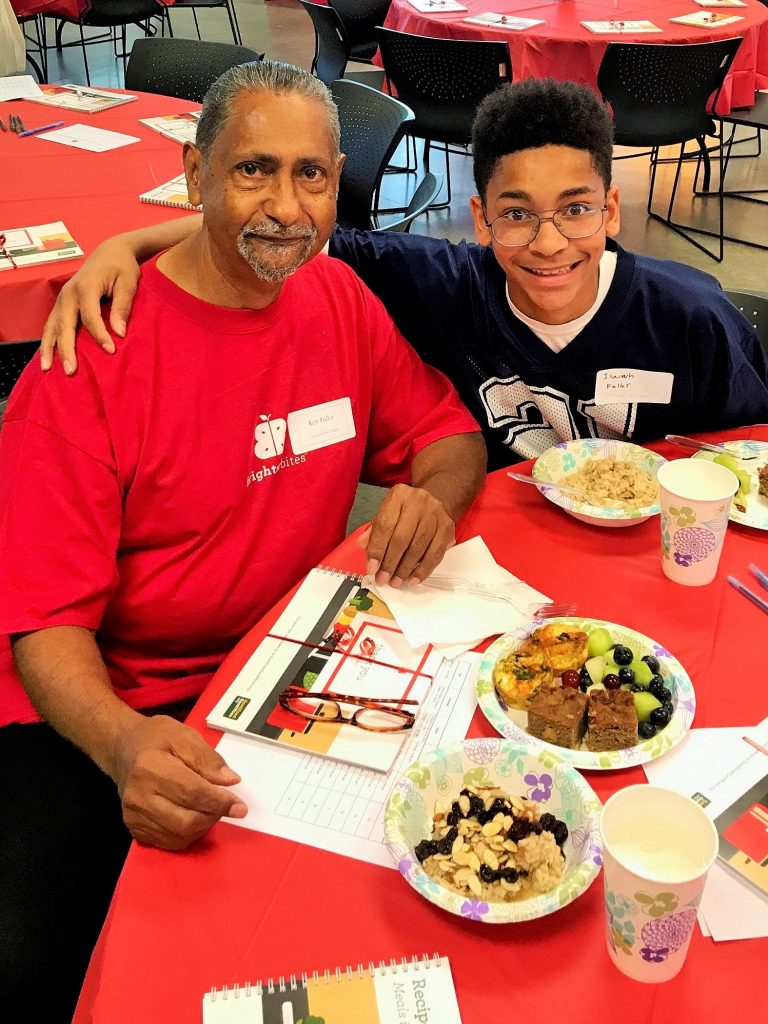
pixel 408 537
pixel 170 783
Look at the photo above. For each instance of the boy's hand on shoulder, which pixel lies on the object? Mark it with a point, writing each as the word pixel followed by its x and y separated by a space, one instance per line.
pixel 171 783
pixel 408 537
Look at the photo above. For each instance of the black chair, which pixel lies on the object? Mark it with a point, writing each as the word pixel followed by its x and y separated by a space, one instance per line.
pixel 360 18
pixel 372 126
pixel 182 67
pixel 14 356
pixel 442 81
pixel 755 309
pixel 111 14
pixel 332 48
pixel 755 117
pixel 37 45
pixel 192 5
pixel 659 94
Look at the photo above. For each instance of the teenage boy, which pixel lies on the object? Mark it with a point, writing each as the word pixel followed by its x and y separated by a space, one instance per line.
pixel 548 328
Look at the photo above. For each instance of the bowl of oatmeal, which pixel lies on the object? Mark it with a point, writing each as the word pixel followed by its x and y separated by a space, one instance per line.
pixel 494 831
pixel 611 483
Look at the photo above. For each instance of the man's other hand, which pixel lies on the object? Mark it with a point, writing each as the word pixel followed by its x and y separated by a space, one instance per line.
pixel 172 784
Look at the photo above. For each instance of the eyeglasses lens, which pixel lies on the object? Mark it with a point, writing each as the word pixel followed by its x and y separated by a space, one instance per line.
pixel 523 230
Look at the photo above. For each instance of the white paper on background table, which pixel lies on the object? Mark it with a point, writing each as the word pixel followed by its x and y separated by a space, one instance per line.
pixel 339 807
pixel 506 21
pixel 706 19
pixel 42 243
pixel 720 765
pixel 16 87
pixel 437 6
pixel 85 136
pixel 620 27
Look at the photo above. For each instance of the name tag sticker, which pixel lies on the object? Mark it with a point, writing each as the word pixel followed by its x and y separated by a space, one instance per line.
pixel 633 386
pixel 321 425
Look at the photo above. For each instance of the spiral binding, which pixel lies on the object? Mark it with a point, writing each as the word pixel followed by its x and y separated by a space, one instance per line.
pixel 329 976
pixel 331 571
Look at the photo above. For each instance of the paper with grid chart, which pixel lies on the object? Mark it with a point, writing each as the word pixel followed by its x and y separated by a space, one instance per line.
pixel 617 27
pixel 338 807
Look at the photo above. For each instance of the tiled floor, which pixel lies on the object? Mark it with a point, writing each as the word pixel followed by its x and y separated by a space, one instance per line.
pixel 283 31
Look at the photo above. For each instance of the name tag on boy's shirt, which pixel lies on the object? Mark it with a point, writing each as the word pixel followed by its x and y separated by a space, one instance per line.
pixel 321 425
pixel 626 385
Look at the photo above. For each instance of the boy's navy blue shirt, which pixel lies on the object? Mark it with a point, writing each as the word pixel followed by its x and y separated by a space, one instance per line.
pixel 450 302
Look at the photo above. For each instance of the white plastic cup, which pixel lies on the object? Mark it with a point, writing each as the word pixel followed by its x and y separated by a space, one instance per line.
pixel 658 846
pixel 695 497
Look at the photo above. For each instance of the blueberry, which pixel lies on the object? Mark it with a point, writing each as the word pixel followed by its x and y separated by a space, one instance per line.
pixel 656 680
pixel 622 655
pixel 646 730
pixel 659 717
pixel 659 691
pixel 510 874
pixel 583 686
pixel 669 707
pixel 635 687
pixel 651 662
pixel 626 676
pixel 548 822
pixel 486 873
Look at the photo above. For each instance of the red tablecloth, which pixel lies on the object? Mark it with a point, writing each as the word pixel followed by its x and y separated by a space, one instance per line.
pixel 562 48
pixel 242 905
pixel 94 194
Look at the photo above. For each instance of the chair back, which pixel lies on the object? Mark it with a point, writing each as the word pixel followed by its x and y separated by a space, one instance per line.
pixel 372 125
pixel 186 68
pixel 443 80
pixel 660 92
pixel 331 43
pixel 360 18
pixel 14 356
pixel 755 309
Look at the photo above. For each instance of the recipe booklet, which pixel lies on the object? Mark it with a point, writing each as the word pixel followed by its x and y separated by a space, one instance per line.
pixel 506 21
pixel 707 19
pixel 43 243
pixel 335 635
pixel 179 127
pixel 720 3
pixel 419 990
pixel 170 193
pixel 617 27
pixel 743 830
pixel 79 98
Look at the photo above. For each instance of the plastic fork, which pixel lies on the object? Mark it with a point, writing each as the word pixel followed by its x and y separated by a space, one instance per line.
pixel 547 611
pixel 568 490
pixel 704 446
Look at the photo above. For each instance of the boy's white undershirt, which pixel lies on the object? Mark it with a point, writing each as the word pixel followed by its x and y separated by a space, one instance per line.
pixel 557 336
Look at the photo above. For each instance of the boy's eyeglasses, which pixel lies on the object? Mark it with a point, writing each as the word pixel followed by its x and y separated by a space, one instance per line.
pixel 519 227
pixel 375 714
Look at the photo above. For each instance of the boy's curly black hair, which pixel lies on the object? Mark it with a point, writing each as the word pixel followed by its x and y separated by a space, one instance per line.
pixel 540 112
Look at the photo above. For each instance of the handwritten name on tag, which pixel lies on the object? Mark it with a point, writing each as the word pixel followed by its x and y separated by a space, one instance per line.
pixel 627 385
pixel 321 425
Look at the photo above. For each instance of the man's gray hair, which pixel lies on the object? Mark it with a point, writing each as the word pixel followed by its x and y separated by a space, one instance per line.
pixel 260 76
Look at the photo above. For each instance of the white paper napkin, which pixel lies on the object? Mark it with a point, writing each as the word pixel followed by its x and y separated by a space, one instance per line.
pixel 455 621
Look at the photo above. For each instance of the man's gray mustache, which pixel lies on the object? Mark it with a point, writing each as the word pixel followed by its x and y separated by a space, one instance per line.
pixel 279 234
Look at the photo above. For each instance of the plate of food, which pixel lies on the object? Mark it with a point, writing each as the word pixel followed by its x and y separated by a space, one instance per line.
pixel 594 694
pixel 610 483
pixel 749 461
pixel 494 831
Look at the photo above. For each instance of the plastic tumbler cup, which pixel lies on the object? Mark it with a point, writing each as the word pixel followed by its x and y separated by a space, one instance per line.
pixel 658 846
pixel 695 498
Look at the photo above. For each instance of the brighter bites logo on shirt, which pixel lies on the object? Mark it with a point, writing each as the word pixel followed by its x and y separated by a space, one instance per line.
pixel 269 438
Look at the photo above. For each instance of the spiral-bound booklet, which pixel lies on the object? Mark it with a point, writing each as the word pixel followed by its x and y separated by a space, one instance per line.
pixel 335 635
pixel 172 193
pixel 419 990
pixel 79 98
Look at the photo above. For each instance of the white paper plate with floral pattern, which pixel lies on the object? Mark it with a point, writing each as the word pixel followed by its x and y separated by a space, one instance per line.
pixel 512 723
pixel 557 463
pixel 519 771
pixel 754 510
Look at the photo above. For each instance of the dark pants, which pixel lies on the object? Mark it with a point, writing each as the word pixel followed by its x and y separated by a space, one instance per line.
pixel 62 845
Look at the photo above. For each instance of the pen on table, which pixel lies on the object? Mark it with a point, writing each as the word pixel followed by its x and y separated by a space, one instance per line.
pixel 762 577
pixel 748 593
pixel 2 125
pixel 42 128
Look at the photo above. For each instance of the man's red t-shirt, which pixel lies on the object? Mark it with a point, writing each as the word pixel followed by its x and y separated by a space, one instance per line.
pixel 167 495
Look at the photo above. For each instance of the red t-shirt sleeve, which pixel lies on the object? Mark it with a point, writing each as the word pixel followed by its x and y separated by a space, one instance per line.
pixel 412 404
pixel 60 502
